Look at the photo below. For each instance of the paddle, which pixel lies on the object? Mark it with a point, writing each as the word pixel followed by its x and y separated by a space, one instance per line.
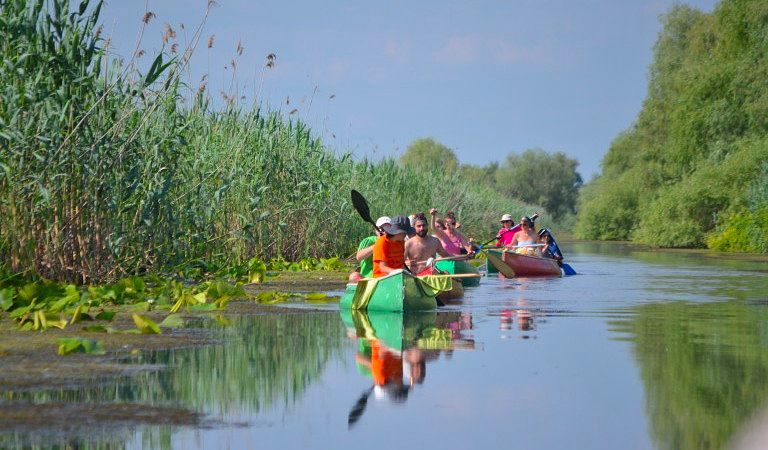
pixel 359 407
pixel 568 270
pixel 361 206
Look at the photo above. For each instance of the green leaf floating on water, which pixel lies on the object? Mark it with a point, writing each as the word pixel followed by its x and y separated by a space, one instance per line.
pixel 172 321
pixel 80 345
pixel 145 325
pixel 99 329
pixel 320 297
pixel 272 297
pixel 105 315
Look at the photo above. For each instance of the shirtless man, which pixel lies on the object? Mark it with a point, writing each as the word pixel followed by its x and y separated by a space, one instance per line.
pixel 422 246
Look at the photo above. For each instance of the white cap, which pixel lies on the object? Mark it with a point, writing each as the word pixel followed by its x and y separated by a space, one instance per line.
pixel 506 217
pixel 383 220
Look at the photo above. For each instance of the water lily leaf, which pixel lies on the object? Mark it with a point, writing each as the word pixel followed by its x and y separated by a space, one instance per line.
pixel 105 315
pixel 145 325
pixel 172 321
pixel 78 312
pixel 56 323
pixel 6 298
pixel 141 306
pixel 80 345
pixel 18 312
pixel 315 296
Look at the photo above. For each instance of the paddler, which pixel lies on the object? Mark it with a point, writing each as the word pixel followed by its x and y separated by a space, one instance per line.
pixel 453 241
pixel 422 246
pixel 507 231
pixel 389 249
pixel 526 240
pixel 364 253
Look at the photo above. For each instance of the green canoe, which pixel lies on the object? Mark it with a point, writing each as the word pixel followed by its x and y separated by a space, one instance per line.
pixel 459 267
pixel 399 291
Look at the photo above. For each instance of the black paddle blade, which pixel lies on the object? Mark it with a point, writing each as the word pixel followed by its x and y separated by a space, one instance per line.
pixel 361 206
pixel 359 408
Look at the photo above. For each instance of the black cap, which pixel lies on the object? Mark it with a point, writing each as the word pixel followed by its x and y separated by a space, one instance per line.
pixel 400 225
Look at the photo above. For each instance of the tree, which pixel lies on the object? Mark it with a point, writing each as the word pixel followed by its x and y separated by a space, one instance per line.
pixel 480 175
pixel 538 177
pixel 428 154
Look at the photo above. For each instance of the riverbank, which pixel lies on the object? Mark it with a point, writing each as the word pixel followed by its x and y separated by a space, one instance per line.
pixel 29 359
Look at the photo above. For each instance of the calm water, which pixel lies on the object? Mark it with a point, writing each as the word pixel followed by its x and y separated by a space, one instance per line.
pixel 641 350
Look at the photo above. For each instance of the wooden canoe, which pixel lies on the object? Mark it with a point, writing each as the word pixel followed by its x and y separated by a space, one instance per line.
pixel 523 265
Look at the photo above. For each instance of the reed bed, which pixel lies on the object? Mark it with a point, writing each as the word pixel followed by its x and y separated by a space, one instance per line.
pixel 107 172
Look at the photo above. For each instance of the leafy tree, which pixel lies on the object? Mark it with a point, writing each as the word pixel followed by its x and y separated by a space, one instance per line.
pixel 428 154
pixel 683 173
pixel 480 175
pixel 547 179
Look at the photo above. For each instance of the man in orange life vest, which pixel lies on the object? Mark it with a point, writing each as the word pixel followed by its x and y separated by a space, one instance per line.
pixel 389 249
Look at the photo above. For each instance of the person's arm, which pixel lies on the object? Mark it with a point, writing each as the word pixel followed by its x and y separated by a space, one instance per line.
pixel 514 240
pixel 408 259
pixel 364 253
pixel 384 268
pixel 464 243
pixel 441 250
pixel 438 232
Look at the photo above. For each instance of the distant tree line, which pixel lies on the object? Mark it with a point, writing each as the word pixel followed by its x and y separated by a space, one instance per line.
pixel 692 171
pixel 535 176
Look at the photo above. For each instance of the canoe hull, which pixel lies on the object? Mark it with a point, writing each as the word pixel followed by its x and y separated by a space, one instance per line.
pixel 527 266
pixel 399 292
pixel 460 267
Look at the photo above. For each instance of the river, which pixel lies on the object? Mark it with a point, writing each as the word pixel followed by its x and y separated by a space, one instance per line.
pixel 643 349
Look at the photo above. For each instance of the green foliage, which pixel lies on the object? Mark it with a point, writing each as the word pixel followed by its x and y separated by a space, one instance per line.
pixel 428 155
pixel 541 178
pixel 80 345
pixel 689 165
pixel 145 325
pixel 744 231
pixel 106 173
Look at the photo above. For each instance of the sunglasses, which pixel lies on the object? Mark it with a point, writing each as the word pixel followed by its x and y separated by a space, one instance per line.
pixel 450 223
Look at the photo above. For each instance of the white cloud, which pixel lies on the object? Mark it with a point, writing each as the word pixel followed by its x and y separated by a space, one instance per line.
pixel 458 50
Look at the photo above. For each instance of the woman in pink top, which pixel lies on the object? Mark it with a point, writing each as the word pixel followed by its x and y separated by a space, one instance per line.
pixel 453 241
pixel 507 231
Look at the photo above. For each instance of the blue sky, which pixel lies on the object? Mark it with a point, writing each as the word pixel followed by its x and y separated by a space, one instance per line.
pixel 485 78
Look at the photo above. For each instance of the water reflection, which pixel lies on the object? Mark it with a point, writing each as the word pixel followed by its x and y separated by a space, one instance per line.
pixel 394 348
pixel 519 314
pixel 704 367
pixel 259 363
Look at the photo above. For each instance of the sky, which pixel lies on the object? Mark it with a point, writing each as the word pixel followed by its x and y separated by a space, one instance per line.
pixel 485 78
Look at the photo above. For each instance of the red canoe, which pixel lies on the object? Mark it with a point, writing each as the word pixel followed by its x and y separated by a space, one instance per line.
pixel 524 265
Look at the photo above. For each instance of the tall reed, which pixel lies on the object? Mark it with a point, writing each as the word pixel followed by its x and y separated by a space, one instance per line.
pixel 104 172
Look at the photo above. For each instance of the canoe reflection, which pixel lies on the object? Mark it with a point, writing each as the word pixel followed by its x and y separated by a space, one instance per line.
pixel 394 348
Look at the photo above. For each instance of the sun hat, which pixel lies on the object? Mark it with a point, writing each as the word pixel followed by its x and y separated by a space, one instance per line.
pixel 383 220
pixel 400 225
pixel 506 217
